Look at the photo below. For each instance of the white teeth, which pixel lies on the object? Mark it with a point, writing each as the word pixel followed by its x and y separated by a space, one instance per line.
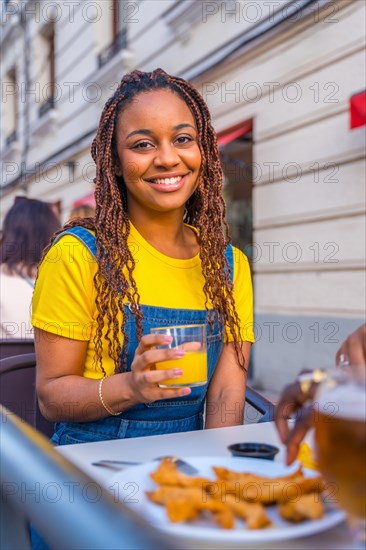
pixel 167 181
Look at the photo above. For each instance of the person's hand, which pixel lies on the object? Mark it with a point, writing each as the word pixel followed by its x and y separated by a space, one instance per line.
pixel 143 379
pixel 294 401
pixel 353 349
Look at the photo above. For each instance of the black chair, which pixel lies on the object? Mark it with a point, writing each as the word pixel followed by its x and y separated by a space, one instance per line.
pixel 260 404
pixel 18 390
pixel 10 347
pixel 66 507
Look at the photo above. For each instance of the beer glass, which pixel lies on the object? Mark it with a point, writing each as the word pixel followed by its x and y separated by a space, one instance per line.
pixel 340 436
pixel 192 339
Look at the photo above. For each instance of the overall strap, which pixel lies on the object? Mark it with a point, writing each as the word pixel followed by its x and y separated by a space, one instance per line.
pixel 87 238
pixel 230 258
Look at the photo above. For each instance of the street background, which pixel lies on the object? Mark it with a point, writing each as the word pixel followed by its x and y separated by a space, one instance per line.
pixel 285 84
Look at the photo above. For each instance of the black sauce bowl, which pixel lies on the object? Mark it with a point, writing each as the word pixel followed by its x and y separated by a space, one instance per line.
pixel 254 450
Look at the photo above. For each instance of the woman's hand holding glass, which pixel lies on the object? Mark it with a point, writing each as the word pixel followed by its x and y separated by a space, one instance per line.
pixel 144 378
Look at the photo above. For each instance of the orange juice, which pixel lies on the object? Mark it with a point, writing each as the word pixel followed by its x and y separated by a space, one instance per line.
pixel 194 367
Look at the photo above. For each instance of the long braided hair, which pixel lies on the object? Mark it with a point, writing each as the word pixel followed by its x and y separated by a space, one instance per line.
pixel 205 210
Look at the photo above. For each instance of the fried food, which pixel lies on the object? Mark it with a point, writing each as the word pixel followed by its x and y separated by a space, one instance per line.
pixel 167 493
pixel 184 509
pixel 233 495
pixel 185 504
pixel 167 473
pixel 267 490
pixel 253 513
pixel 230 475
pixel 306 507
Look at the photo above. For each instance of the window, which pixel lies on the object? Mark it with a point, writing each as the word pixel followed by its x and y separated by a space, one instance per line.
pixel 236 149
pixel 46 69
pixel 10 111
pixel 103 25
pixel 119 33
pixel 120 15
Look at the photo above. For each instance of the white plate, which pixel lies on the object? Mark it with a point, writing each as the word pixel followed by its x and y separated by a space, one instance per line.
pixel 129 486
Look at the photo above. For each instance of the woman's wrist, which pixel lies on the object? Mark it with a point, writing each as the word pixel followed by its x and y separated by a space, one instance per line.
pixel 128 390
pixel 106 407
pixel 116 394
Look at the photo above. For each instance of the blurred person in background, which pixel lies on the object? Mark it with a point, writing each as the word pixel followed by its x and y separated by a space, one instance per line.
pixel 82 211
pixel 27 229
pixel 294 400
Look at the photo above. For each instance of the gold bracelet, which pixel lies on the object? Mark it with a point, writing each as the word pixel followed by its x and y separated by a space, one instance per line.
pixel 107 408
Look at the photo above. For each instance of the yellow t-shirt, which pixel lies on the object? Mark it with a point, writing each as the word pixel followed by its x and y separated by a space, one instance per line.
pixel 64 295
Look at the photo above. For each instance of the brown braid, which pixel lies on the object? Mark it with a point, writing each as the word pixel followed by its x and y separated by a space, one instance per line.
pixel 205 210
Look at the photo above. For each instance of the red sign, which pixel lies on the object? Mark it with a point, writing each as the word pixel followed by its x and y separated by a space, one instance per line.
pixel 358 110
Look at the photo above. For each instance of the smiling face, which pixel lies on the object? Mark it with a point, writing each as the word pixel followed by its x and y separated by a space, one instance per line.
pixel 158 153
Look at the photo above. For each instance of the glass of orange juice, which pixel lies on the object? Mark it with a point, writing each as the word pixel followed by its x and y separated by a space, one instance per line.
pixel 191 339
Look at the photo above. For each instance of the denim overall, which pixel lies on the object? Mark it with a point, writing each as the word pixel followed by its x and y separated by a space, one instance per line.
pixel 180 414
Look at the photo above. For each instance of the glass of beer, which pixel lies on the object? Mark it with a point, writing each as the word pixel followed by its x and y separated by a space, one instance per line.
pixel 340 436
pixel 191 339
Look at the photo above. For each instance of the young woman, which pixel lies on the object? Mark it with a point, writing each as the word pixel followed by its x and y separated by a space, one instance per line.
pixel 155 254
pixel 27 229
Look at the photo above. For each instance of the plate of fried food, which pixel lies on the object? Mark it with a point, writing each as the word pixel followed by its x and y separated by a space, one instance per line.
pixel 230 502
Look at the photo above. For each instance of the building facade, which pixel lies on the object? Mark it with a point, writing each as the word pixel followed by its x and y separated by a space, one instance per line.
pixel 278 77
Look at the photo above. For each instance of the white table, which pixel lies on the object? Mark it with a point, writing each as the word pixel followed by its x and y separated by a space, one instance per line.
pixel 200 443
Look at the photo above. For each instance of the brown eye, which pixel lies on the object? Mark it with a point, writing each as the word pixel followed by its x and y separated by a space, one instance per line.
pixel 184 139
pixel 142 145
